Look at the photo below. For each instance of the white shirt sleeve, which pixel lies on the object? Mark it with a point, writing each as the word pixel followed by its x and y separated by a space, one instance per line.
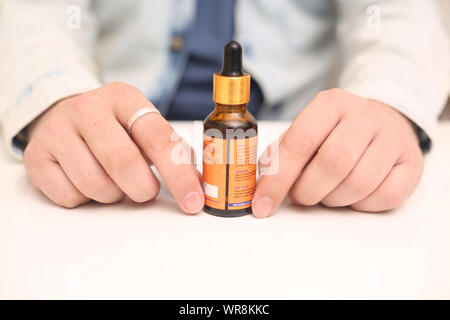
pixel 45 48
pixel 396 52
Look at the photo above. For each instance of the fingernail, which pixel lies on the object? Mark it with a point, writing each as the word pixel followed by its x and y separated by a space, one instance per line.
pixel 193 202
pixel 263 207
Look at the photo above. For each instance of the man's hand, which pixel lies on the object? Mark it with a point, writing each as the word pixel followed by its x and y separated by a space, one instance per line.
pixel 343 150
pixel 80 150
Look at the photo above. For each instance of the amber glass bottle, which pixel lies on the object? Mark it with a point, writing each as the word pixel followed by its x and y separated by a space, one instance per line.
pixel 230 141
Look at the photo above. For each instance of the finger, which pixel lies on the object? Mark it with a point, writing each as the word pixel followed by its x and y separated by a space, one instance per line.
pixel 84 171
pixel 167 151
pixel 120 157
pixel 46 175
pixel 300 143
pixel 396 187
pixel 173 159
pixel 333 162
pixel 268 162
pixel 366 176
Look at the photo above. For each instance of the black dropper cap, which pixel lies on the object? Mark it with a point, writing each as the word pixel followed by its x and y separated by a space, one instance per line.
pixel 232 60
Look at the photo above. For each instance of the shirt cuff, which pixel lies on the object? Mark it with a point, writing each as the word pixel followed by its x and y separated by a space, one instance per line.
pixel 38 97
pixel 414 100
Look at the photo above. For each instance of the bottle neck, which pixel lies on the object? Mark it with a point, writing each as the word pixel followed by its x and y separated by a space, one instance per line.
pixel 241 108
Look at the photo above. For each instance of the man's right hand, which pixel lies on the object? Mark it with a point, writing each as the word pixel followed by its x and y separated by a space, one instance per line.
pixel 79 150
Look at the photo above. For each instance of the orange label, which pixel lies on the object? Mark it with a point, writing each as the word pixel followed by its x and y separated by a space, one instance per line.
pixel 229 172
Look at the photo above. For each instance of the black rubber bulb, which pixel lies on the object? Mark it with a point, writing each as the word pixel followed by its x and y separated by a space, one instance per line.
pixel 232 60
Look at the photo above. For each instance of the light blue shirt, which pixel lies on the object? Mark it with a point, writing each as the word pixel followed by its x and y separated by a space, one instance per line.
pixel 395 52
pixel 212 29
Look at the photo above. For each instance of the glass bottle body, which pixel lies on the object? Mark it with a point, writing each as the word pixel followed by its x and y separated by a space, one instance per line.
pixel 232 122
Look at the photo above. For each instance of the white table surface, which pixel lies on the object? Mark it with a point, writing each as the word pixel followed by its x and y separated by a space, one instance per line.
pixel 153 250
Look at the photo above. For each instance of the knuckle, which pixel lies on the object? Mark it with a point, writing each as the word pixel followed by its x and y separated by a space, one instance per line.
pixel 97 187
pixel 298 195
pixel 121 158
pixel 89 109
pixel 118 86
pixel 159 145
pixel 182 153
pixel 337 98
pixel 92 182
pixel 293 197
pixel 273 186
pixel 335 160
pixel 331 202
pixel 299 145
pixel 330 94
pixel 70 200
pixel 278 187
pixel 360 185
pixel 112 197
pixel 306 200
pixel 122 91
pixel 301 199
pixel 373 108
pixel 390 198
pixel 161 140
pixel 146 195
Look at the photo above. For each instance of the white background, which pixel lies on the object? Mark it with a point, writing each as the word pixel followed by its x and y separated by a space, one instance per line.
pixel 152 250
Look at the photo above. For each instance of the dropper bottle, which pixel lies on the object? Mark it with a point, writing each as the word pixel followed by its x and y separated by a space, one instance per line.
pixel 230 141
